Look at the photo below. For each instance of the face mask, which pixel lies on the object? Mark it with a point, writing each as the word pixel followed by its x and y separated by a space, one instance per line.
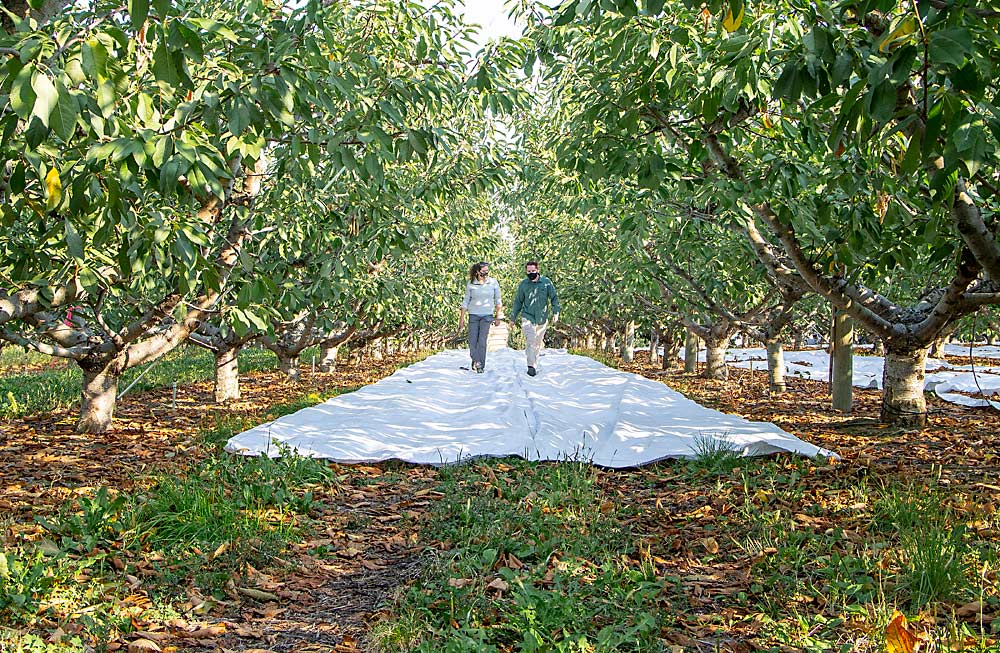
pixel 532 275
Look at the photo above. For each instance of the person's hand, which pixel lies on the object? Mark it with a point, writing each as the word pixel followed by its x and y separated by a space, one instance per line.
pixel 461 324
pixel 496 321
pixel 555 318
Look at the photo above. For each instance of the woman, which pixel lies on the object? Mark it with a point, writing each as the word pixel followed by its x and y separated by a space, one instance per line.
pixel 482 303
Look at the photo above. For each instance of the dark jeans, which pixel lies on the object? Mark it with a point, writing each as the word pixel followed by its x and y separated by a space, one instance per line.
pixel 479 330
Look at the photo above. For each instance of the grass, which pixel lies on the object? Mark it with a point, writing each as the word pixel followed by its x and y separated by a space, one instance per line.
pixel 536 558
pixel 192 533
pixel 198 530
pixel 56 389
pixel 549 557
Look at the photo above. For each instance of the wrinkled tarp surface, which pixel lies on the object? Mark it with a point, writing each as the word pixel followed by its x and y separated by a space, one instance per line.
pixel 433 412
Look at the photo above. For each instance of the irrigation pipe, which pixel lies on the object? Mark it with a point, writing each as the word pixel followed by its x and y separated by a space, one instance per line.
pixel 136 379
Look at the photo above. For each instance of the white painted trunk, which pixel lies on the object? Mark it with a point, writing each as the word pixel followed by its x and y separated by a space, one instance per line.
pixel 376 350
pixel 628 343
pixel 97 400
pixel 328 359
pixel 289 365
pixel 903 402
pixel 715 359
pixel 654 347
pixel 775 367
pixel 227 375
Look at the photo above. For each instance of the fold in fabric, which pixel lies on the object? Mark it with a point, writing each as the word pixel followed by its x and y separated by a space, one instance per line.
pixel 433 412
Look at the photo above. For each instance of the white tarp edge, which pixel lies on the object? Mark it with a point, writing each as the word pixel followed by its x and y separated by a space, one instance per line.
pixel 433 412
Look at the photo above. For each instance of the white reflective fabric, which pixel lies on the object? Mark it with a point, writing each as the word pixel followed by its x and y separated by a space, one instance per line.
pixel 433 412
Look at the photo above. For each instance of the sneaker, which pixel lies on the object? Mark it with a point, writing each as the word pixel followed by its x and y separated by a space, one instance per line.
pixel 481 369
pixel 531 371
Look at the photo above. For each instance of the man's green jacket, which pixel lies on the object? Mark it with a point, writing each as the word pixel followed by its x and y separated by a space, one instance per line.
pixel 532 300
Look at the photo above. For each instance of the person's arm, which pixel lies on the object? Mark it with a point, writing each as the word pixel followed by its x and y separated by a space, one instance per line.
pixel 465 306
pixel 518 300
pixel 554 298
pixel 497 306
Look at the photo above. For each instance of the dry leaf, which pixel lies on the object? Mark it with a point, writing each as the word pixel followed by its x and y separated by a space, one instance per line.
pixel 256 594
pixel 710 545
pixel 499 585
pixel 898 638
pixel 143 646
pixel 219 551
pixel 459 583
pixel 208 631
pixel 970 609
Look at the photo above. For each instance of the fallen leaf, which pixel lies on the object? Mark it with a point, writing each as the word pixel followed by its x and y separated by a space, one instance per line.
pixel 499 585
pixel 710 545
pixel 459 582
pixel 256 594
pixel 898 638
pixel 970 609
pixel 142 646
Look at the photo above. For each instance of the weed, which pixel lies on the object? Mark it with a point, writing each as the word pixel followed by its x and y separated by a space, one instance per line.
pixel 715 454
pixel 932 542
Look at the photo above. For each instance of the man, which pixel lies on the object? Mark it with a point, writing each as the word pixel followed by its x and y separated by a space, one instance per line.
pixel 531 304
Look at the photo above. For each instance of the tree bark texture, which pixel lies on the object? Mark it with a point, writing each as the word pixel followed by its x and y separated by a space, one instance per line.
pixel 289 366
pixel 328 359
pixel 775 366
pixel 98 397
pixel 691 352
pixel 227 375
pixel 654 347
pixel 903 402
pixel 628 343
pixel 715 359
pixel 842 381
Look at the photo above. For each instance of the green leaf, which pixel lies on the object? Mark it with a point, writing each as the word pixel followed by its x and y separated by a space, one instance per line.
pixel 22 95
pixel 972 144
pixel 46 97
pixel 95 60
pixel 882 101
pixel 949 46
pixel 789 84
pixel 138 10
pixel 654 7
pixel 567 14
pixel 163 66
pixel 162 7
pixel 63 119
pixel 73 241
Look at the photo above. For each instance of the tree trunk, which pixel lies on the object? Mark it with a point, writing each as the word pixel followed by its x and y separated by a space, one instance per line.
pixel 715 359
pixel 937 348
pixel 878 347
pixel 376 350
pixel 903 402
pixel 628 343
pixel 227 375
pixel 97 401
pixel 289 365
pixel 328 359
pixel 775 366
pixel 672 343
pixel 654 347
pixel 842 363
pixel 691 352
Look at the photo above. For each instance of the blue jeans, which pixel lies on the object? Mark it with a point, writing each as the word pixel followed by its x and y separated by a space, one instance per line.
pixel 479 330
